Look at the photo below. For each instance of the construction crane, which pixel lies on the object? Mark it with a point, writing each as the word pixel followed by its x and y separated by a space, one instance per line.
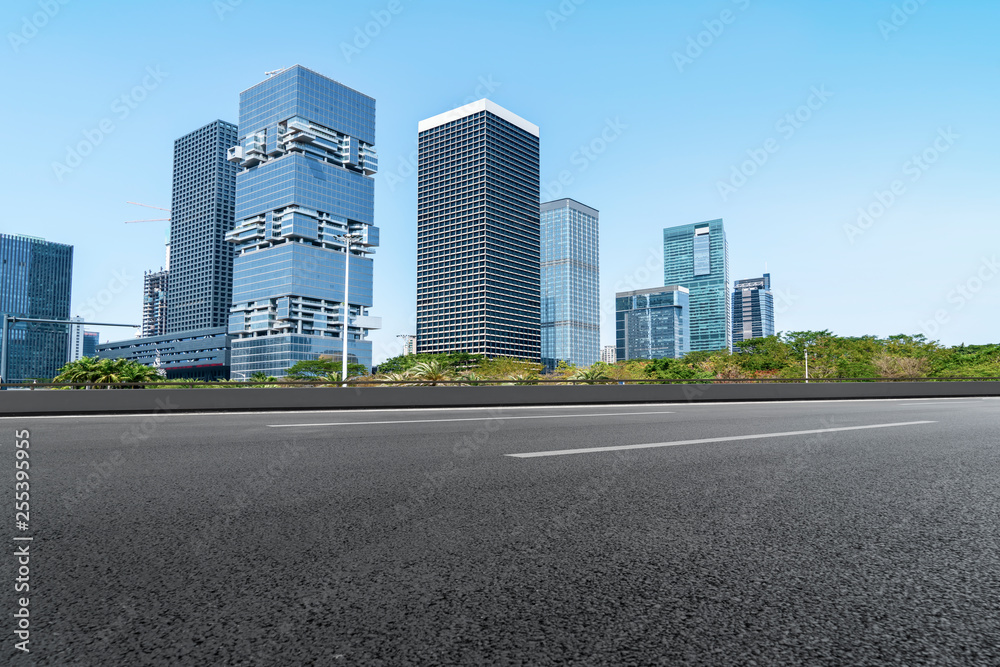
pixel 149 219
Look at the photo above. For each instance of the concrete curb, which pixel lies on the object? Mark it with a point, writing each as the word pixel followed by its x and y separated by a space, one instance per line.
pixel 124 401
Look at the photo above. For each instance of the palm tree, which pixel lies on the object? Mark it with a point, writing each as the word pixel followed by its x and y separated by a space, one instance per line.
pixel 523 378
pixel 591 375
pixel 84 369
pixel 431 371
pixel 400 378
pixel 471 379
pixel 106 371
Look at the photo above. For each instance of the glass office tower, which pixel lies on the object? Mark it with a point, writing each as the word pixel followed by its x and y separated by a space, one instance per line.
pixel 753 308
pixel 307 157
pixel 478 233
pixel 201 214
pixel 697 257
pixel 571 320
pixel 653 323
pixel 36 280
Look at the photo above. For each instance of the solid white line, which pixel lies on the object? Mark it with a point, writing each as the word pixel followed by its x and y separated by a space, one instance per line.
pixel 578 406
pixel 914 405
pixel 592 450
pixel 468 419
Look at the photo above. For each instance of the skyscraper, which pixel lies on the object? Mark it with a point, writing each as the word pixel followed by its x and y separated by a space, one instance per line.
pixel 753 308
pixel 36 280
pixel 154 302
pixel 307 157
pixel 652 323
pixel 478 233
pixel 201 214
pixel 697 257
pixel 570 318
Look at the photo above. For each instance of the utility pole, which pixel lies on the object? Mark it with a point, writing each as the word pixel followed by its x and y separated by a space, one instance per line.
pixel 12 319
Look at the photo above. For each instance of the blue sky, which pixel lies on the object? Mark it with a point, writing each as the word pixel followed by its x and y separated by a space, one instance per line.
pixel 783 118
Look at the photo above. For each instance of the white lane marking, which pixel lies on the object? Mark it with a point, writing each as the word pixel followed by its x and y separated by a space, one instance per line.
pixel 470 419
pixel 578 406
pixel 914 405
pixel 651 445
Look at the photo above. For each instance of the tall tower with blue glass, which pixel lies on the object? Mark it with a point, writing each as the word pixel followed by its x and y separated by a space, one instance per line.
pixel 571 319
pixel 478 234
pixel 36 280
pixel 307 159
pixel 753 308
pixel 697 257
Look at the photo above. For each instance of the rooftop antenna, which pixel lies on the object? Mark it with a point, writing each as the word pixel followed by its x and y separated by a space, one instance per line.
pixel 275 71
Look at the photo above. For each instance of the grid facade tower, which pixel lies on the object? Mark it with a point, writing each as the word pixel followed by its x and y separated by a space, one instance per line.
pixel 306 153
pixel 652 323
pixel 570 319
pixel 36 280
pixel 478 233
pixel 201 214
pixel 753 308
pixel 697 257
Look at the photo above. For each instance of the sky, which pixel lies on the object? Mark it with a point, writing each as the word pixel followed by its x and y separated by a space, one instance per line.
pixel 850 147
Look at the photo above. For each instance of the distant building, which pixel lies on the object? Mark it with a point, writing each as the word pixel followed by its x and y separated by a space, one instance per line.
pixel 36 280
pixel 90 342
pixel 571 319
pixel 200 261
pixel 652 323
pixel 478 233
pixel 753 308
pixel 154 303
pixel 74 350
pixel 697 257
pixel 307 161
pixel 409 345
pixel 191 355
pixel 609 354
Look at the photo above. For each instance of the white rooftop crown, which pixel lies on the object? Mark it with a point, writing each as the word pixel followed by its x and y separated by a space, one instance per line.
pixel 473 108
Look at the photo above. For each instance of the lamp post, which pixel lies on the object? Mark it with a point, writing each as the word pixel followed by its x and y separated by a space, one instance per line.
pixel 348 239
pixel 12 319
pixel 807 364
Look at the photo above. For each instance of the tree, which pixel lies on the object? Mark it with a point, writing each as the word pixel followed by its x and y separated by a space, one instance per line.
pixel 322 369
pixel 433 371
pixel 106 371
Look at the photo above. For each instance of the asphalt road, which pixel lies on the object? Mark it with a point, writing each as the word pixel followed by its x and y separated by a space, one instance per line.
pixel 416 538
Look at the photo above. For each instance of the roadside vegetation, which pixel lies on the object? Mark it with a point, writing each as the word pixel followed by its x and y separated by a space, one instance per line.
pixel 783 356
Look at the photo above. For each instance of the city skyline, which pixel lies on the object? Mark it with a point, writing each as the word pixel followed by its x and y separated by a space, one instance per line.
pixel 818 156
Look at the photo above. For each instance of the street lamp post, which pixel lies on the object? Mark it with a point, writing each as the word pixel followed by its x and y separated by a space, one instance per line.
pixel 348 240
pixel 807 364
pixel 39 320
